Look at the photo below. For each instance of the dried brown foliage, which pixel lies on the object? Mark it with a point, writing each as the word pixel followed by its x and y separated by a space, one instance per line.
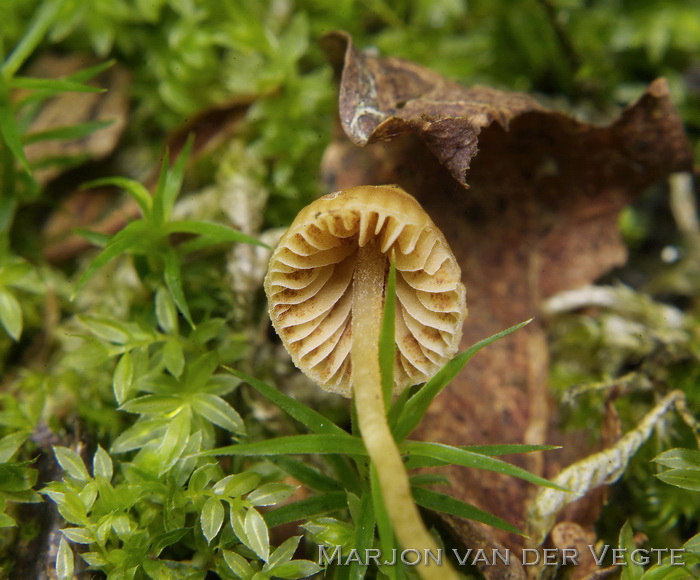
pixel 529 200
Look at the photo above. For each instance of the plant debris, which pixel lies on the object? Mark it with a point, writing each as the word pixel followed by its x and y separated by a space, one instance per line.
pixel 540 216
pixel 69 109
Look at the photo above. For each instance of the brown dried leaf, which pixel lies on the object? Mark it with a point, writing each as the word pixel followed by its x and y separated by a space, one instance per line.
pixel 68 109
pixel 540 216
pixel 97 209
pixel 381 99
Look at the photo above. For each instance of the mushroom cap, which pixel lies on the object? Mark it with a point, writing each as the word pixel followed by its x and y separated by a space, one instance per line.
pixel 310 277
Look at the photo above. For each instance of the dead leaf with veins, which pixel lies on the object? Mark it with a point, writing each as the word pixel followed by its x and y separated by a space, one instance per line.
pixel 529 199
pixel 73 108
pixel 102 211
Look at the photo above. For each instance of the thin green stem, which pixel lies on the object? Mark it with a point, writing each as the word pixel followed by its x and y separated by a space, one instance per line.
pixel 43 18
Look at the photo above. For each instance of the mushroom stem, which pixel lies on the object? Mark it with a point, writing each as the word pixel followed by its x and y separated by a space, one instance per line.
pixel 368 308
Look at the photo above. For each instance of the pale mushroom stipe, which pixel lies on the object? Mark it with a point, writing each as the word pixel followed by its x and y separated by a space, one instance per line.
pixel 326 290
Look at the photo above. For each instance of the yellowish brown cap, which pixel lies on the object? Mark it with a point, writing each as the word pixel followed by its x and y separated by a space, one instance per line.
pixel 310 277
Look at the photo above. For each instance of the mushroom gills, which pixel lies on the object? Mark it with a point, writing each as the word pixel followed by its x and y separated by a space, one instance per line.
pixel 311 277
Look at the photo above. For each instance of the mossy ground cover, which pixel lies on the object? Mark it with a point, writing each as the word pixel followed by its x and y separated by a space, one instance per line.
pixel 123 432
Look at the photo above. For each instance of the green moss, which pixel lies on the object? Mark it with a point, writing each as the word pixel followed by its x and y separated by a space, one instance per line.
pixel 122 347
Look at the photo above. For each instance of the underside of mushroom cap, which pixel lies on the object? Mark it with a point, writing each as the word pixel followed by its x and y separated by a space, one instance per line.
pixel 310 277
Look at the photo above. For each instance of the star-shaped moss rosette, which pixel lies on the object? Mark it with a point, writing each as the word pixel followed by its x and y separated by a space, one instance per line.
pixel 529 200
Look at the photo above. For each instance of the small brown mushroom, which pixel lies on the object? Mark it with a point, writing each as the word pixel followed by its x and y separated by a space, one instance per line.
pixel 319 261
pixel 326 290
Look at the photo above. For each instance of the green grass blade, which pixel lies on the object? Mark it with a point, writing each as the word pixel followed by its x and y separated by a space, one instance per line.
pixel 70 132
pixel 381 516
pixel 60 163
pixel 417 405
pixel 216 232
pixel 428 479
pixel 294 444
pixel 175 177
pixel 305 509
pixel 172 276
pixel 42 89
pixel 456 456
pixel 169 184
pixel 8 130
pixel 364 535
pixel 307 475
pixel 441 502
pixel 387 344
pixel 313 420
pixel 200 244
pixel 51 87
pixel 132 187
pixel 508 449
pixel 95 238
pixel 158 215
pixel 134 235
pixel 92 71
pixel 416 462
pixel 397 408
pixel 43 18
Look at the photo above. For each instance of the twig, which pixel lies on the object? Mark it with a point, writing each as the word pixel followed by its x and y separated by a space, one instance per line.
pixel 598 469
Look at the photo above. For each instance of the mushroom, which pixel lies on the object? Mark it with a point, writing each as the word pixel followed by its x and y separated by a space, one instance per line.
pixel 326 290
